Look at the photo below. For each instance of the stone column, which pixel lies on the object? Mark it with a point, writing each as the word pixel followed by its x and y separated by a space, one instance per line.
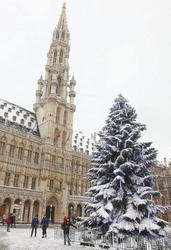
pixel 31 212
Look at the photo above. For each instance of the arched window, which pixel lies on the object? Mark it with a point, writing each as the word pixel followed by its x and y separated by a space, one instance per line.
pixel 63 35
pixel 65 118
pixel 57 34
pixel 56 137
pixel 64 135
pixel 58 87
pixel 61 56
pixel 58 115
pixel 54 56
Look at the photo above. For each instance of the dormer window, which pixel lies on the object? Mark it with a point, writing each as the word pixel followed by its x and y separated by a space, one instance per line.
pixel 22 121
pixel 6 114
pixel 14 118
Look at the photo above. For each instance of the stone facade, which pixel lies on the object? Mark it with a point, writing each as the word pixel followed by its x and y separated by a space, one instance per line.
pixel 40 172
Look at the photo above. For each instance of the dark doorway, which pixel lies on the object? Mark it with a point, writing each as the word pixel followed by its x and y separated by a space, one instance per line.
pixel 50 210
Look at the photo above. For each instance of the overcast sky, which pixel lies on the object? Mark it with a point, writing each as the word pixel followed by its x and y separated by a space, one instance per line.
pixel 117 46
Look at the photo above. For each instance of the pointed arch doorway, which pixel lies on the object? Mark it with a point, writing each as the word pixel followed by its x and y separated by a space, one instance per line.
pixel 52 209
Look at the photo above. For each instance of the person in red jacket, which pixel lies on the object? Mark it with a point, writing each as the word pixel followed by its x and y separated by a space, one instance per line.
pixel 8 221
pixel 66 227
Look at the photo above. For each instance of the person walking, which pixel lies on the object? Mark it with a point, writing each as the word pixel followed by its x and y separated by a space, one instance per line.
pixel 66 227
pixel 12 220
pixel 8 223
pixel 34 224
pixel 44 223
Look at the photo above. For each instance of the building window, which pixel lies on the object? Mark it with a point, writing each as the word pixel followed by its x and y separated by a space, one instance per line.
pixel 54 56
pixel 51 184
pixel 7 179
pixel 29 154
pixel 20 153
pixel 63 139
pixel 65 118
pixel 61 56
pixel 11 151
pixel 2 145
pixel 169 181
pixel 60 185
pixel 161 185
pixel 36 158
pixel 58 115
pixel 16 178
pixel 53 160
pixel 33 183
pixel 58 86
pixel 25 183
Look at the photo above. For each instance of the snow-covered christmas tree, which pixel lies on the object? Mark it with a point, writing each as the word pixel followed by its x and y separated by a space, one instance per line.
pixel 121 192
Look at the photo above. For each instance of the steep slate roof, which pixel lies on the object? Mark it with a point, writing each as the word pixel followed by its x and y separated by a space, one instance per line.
pixel 23 119
pixel 83 144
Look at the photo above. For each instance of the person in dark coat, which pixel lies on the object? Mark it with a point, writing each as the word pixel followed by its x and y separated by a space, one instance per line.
pixel 34 224
pixel 66 227
pixel 12 219
pixel 7 220
pixel 44 223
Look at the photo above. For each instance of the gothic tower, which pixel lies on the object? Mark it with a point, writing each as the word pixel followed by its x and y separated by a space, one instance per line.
pixel 55 95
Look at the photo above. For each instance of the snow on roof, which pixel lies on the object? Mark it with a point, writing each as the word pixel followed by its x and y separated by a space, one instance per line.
pixel 82 143
pixel 13 115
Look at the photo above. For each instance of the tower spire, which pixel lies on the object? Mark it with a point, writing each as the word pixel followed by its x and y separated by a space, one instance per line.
pixel 55 94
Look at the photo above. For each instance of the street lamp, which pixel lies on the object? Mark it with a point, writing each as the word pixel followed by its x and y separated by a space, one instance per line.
pixel 51 213
pixel 71 208
pixel 19 212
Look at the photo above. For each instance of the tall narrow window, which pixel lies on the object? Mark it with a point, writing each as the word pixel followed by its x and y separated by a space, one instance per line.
pixel 61 56
pixel 25 182
pixel 51 184
pixel 57 136
pixel 54 56
pixel 7 179
pixel 60 185
pixel 65 118
pixel 63 35
pixel 16 178
pixel 36 158
pixel 33 183
pixel 57 35
pixel 53 160
pixel 58 115
pixel 2 146
pixel 20 153
pixel 58 86
pixel 64 139
pixel 11 151
pixel 29 155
